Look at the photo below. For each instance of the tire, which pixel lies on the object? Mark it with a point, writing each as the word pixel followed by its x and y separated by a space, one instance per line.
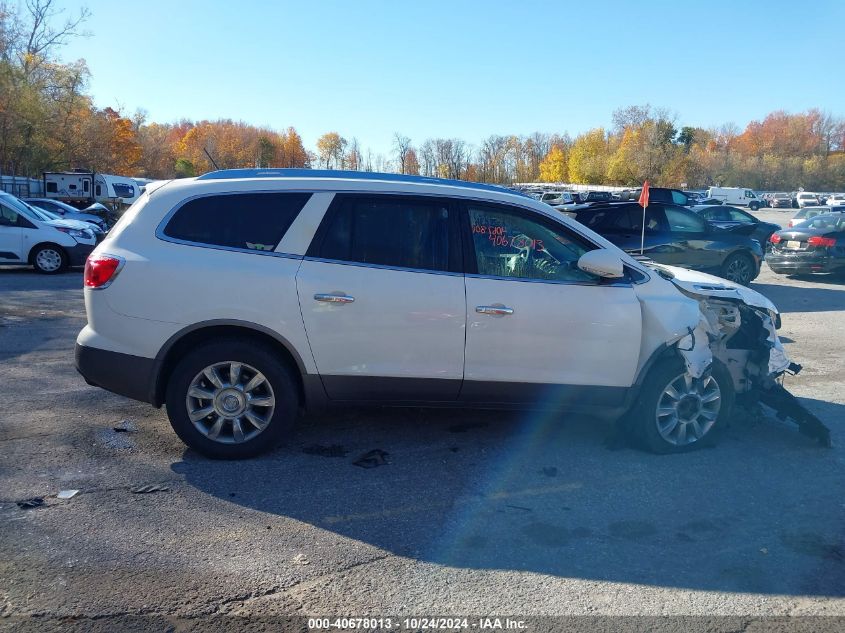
pixel 654 432
pixel 49 259
pixel 232 427
pixel 754 206
pixel 739 268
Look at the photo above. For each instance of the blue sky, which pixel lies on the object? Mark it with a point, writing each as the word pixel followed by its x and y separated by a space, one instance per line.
pixel 468 69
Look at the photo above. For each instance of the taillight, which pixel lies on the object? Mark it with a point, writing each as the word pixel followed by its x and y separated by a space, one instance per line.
pixel 101 270
pixel 789 226
pixel 817 240
pixel 775 238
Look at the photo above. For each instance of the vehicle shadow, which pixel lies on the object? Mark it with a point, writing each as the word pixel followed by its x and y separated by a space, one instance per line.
pixel 543 493
pixel 805 298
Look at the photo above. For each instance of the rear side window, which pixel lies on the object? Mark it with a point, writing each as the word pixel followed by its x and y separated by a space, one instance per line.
pixel 52 187
pixel 249 221
pixel 683 221
pixel 388 231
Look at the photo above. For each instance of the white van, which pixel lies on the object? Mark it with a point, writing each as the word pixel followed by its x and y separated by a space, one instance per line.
pixel 30 237
pixel 736 195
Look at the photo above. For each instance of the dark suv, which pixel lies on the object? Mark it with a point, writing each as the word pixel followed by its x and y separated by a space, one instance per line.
pixel 677 236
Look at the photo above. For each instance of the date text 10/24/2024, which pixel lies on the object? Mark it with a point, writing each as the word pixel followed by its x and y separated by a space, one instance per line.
pixel 417 624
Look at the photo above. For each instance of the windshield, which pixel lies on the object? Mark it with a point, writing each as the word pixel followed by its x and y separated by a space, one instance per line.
pixel 43 214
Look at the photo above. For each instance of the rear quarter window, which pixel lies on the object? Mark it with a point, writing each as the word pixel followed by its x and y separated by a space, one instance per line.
pixel 248 221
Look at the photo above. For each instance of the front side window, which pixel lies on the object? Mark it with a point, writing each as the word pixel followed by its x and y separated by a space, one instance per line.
pixel 681 221
pixel 249 221
pixel 8 217
pixel 510 244
pixel 52 187
pixel 388 231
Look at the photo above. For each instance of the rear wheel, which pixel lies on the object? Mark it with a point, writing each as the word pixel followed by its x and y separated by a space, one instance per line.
pixel 231 399
pixel 676 412
pixel 739 268
pixel 49 259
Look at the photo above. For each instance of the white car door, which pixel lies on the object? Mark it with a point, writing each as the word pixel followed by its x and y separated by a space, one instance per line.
pixel 539 329
pixel 382 299
pixel 11 235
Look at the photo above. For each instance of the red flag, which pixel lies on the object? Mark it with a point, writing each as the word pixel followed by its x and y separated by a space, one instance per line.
pixel 644 195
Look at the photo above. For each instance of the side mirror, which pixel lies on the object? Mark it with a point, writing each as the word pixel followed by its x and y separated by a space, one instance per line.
pixel 602 262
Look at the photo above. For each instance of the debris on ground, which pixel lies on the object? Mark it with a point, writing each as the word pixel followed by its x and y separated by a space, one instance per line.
pixel 28 504
pixel 125 426
pixel 373 458
pixel 149 488
pixel 301 559
pixel 764 551
pixel 549 471
pixel 523 508
pixel 335 450
pixel 67 494
pixel 115 439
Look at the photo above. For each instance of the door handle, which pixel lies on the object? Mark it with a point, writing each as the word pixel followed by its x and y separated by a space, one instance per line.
pixel 330 298
pixel 494 310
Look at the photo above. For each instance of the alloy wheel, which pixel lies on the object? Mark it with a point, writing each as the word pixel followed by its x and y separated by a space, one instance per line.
pixel 687 409
pixel 230 402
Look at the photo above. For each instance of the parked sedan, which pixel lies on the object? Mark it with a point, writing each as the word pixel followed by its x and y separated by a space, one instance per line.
pixel 726 216
pixel 677 236
pixel 65 211
pixel 806 213
pixel 814 246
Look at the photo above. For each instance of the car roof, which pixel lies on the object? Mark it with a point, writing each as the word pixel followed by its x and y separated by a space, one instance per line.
pixel 337 174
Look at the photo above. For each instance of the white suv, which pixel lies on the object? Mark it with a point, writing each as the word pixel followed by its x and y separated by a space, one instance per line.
pixel 241 296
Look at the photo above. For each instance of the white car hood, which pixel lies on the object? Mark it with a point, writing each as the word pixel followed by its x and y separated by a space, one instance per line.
pixel 69 224
pixel 706 285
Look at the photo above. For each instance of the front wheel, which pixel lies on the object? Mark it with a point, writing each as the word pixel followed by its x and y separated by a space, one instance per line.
pixel 231 399
pixel 49 259
pixel 676 412
pixel 754 206
pixel 738 268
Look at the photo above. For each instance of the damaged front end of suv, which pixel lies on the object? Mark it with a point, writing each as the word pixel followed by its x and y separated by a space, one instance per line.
pixel 734 332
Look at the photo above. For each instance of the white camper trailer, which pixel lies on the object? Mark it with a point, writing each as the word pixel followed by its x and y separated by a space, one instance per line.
pixel 69 186
pixel 115 189
pixel 84 188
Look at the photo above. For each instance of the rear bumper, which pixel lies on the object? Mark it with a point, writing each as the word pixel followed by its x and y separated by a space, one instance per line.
pixel 123 374
pixel 807 262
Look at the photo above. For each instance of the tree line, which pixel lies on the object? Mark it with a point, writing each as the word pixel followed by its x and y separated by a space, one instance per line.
pixel 49 122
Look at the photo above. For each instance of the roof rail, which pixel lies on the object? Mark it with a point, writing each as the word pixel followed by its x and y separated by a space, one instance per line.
pixel 226 174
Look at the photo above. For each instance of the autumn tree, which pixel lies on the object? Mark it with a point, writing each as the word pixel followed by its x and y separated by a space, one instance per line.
pixel 554 166
pixel 588 157
pixel 412 165
pixel 330 147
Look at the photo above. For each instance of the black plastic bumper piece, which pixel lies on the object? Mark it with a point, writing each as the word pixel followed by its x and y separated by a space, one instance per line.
pixel 123 374
pixel 787 406
pixel 79 253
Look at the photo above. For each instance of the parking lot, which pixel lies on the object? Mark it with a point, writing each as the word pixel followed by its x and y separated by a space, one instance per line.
pixel 475 513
